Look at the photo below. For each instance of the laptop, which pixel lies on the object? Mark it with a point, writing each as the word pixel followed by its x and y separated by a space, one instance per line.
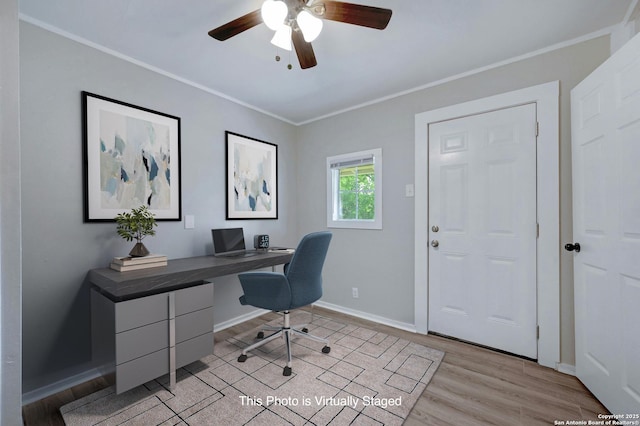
pixel 229 242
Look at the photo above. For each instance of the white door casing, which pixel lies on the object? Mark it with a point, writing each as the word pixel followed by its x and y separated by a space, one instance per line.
pixel 482 216
pixel 547 158
pixel 605 112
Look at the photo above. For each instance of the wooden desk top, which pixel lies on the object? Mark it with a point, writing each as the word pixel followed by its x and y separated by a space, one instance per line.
pixel 179 273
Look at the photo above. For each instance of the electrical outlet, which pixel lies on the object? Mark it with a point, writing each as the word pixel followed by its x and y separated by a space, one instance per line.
pixel 354 292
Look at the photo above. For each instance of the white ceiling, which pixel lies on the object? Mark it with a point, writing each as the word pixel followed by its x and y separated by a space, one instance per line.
pixel 426 41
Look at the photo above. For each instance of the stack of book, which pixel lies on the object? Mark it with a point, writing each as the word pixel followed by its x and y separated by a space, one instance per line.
pixel 129 263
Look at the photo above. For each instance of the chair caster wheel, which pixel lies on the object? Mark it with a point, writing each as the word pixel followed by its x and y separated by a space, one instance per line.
pixel 286 371
pixel 242 358
pixel 326 350
pixel 305 330
pixel 260 335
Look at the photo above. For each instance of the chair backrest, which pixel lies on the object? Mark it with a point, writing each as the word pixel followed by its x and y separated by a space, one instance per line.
pixel 304 272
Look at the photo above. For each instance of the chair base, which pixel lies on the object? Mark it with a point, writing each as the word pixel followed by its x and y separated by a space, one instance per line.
pixel 286 331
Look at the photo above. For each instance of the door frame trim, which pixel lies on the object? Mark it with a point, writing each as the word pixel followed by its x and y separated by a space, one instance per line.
pixel 546 96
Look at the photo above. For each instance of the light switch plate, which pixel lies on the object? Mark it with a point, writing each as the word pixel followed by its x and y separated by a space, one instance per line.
pixel 189 221
pixel 409 190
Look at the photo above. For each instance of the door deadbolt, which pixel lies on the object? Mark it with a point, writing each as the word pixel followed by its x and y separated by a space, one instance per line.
pixel 434 243
pixel 435 228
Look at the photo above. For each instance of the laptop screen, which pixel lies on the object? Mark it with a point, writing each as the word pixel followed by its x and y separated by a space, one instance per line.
pixel 227 240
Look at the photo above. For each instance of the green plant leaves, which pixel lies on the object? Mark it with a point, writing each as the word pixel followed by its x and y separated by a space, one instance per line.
pixel 136 224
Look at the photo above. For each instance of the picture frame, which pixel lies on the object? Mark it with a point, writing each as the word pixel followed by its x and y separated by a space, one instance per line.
pixel 252 178
pixel 131 158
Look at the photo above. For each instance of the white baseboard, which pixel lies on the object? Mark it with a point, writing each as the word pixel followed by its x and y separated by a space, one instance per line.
pixel 367 316
pixel 364 315
pixel 567 369
pixel 238 320
pixel 59 386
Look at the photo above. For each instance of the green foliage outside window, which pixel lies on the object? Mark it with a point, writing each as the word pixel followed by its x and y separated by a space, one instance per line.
pixel 357 192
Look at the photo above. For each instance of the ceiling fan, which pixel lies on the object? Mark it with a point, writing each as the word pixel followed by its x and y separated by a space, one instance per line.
pixel 300 21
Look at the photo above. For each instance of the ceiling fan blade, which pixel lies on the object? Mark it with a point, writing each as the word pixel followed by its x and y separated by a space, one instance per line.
pixel 306 57
pixel 356 14
pixel 237 26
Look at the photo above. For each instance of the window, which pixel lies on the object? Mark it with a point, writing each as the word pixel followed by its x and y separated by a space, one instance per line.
pixel 354 190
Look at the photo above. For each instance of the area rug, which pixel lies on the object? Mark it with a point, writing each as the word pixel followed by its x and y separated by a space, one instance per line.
pixel 368 378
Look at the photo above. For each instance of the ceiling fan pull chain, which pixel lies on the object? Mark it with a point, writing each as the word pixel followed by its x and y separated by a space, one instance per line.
pixel 277 55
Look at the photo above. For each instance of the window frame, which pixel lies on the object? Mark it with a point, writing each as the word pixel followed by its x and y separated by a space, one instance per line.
pixel 333 191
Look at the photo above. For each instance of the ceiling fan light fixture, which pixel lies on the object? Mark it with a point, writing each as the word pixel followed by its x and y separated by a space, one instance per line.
pixel 274 13
pixel 282 37
pixel 309 25
pixel 298 22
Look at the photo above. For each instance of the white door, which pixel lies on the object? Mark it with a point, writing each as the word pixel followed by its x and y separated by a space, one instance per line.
pixel 605 115
pixel 482 227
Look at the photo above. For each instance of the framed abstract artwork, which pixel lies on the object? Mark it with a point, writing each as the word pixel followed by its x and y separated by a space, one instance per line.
pixel 131 158
pixel 252 178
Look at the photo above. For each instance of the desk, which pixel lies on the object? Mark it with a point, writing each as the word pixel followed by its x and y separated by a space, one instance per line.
pixel 179 273
pixel 149 322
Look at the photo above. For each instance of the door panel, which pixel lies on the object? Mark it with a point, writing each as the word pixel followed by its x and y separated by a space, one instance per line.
pixel 597 344
pixel 605 110
pixel 501 203
pixel 454 201
pixel 629 155
pixel 500 273
pixel 454 271
pixel 482 197
pixel 630 336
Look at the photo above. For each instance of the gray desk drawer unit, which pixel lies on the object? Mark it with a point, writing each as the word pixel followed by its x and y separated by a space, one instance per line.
pixel 144 338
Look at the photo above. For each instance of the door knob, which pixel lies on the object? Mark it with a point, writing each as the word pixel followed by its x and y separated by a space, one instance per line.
pixel 572 247
pixel 435 228
pixel 434 243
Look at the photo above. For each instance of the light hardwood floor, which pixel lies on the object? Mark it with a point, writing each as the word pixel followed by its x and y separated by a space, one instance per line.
pixel 473 386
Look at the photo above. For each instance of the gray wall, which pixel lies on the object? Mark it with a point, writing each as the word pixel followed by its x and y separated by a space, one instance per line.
pixel 59 248
pixel 10 253
pixel 381 263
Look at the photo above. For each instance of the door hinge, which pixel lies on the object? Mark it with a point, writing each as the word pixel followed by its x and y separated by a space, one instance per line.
pixel 538 332
pixel 537 230
pixel 537 128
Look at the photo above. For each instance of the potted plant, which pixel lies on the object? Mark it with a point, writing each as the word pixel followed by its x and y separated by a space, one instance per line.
pixel 136 224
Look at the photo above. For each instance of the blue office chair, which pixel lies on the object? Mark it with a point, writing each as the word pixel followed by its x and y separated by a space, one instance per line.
pixel 300 285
